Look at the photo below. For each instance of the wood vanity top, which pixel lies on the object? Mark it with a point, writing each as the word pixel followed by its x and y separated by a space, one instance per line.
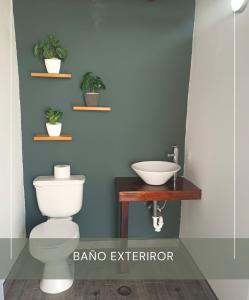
pixel 134 189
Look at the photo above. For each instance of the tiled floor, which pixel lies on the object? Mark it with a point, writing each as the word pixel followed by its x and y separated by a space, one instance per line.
pixel 109 290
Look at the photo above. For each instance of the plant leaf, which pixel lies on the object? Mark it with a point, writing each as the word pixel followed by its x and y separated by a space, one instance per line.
pixel 61 52
pixel 50 48
pixel 36 50
pixel 53 116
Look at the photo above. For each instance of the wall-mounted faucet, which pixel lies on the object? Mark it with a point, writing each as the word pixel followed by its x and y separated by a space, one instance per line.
pixel 175 154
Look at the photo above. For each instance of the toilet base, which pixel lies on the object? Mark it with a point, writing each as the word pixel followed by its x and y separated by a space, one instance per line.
pixel 55 286
pixel 64 268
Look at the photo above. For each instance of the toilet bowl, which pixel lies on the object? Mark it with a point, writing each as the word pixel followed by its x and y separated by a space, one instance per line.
pixel 53 241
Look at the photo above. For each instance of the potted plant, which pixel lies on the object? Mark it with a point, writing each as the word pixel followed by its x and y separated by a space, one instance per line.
pixel 91 85
pixel 51 51
pixel 53 125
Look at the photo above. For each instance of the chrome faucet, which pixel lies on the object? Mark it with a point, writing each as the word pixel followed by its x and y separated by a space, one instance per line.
pixel 175 154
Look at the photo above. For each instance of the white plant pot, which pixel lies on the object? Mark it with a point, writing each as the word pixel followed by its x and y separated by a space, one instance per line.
pixel 53 65
pixel 54 129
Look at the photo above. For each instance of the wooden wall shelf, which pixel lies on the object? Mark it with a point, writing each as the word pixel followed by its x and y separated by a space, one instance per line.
pixel 45 137
pixel 92 108
pixel 51 75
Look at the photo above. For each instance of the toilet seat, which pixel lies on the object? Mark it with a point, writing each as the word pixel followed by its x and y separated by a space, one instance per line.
pixel 56 229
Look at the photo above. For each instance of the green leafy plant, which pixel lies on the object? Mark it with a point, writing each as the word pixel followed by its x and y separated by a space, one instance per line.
pixel 92 83
pixel 53 116
pixel 50 48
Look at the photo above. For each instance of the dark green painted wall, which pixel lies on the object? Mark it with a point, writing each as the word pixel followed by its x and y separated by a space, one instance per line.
pixel 142 50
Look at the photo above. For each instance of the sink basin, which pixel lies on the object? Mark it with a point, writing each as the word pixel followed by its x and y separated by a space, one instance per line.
pixel 155 172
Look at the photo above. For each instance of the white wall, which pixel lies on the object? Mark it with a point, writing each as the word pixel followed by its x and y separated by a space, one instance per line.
pixel 12 208
pixel 1 290
pixel 209 136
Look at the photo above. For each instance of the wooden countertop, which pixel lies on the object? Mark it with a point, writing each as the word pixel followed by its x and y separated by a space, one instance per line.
pixel 134 189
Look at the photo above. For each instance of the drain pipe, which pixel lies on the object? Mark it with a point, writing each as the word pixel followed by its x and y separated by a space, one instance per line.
pixel 157 217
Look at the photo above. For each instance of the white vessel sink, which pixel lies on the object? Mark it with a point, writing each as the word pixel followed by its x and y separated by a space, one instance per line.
pixel 155 172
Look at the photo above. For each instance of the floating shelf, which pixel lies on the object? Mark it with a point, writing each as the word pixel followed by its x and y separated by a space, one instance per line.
pixel 45 137
pixel 93 108
pixel 51 75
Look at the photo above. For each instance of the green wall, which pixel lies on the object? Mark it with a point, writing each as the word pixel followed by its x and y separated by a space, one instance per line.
pixel 142 50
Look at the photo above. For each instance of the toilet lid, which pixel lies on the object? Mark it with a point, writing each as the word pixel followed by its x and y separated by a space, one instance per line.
pixel 52 181
pixel 56 229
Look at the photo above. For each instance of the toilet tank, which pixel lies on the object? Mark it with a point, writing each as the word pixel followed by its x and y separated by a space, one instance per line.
pixel 59 198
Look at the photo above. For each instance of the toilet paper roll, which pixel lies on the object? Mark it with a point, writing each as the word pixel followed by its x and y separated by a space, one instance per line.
pixel 61 171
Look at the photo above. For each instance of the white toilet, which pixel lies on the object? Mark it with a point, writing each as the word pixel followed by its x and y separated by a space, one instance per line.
pixel 59 197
